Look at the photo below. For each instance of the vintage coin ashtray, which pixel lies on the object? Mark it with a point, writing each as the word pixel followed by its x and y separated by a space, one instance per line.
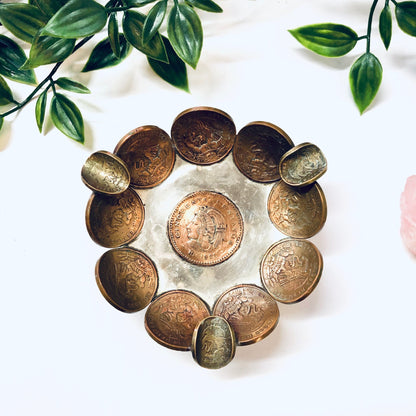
pixel 196 237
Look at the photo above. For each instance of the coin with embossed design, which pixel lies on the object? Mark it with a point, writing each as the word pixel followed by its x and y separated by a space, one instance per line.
pixel 205 228
pixel 149 155
pixel 127 278
pixel 297 212
pixel 258 148
pixel 172 317
pixel 114 220
pixel 291 269
pixel 251 312
pixel 203 135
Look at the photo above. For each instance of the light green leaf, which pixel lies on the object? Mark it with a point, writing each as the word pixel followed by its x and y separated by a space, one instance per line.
pixel 327 39
pixel 365 79
pixel 406 17
pixel 207 5
pixel 153 20
pixel 70 85
pixel 48 7
pixel 185 33
pixel 40 110
pixel 138 3
pixel 385 23
pixel 6 96
pixel 113 34
pixel 67 118
pixel 76 19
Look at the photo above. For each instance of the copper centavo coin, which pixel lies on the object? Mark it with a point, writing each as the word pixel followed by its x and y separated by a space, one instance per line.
pixel 114 220
pixel 258 149
pixel 297 212
pixel 205 228
pixel 203 135
pixel 172 317
pixel 291 269
pixel 149 155
pixel 127 278
pixel 251 312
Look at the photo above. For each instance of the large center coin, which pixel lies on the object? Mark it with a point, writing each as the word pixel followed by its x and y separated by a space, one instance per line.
pixel 205 228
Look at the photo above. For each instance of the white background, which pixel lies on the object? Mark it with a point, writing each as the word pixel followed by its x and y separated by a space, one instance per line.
pixel 347 349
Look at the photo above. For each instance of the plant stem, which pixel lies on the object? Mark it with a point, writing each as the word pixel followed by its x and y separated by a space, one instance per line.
pixel 370 21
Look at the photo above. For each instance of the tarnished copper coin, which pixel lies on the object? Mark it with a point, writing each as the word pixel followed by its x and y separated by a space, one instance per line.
pixel 251 312
pixel 149 154
pixel 297 212
pixel 258 148
pixel 291 269
pixel 114 220
pixel 127 278
pixel 213 343
pixel 172 317
pixel 205 228
pixel 302 165
pixel 203 135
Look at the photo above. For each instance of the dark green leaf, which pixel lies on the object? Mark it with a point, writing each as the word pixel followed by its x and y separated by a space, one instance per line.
pixel 48 7
pixel 77 18
pixel 327 39
pixel 406 17
pixel 138 3
pixel 102 55
pixel 67 117
pixel 12 58
pixel 23 20
pixel 6 96
pixel 1 122
pixel 153 20
pixel 133 31
pixel 175 71
pixel 365 79
pixel 185 33
pixel 40 110
pixel 207 5
pixel 113 34
pixel 385 25
pixel 70 85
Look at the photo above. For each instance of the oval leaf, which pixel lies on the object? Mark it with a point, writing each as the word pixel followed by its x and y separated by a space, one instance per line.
pixel 185 33
pixel 327 39
pixel 406 17
pixel 153 20
pixel 48 7
pixel 77 18
pixel 365 79
pixel 385 25
pixel 70 85
pixel 67 118
pixel 175 71
pixel 6 96
pixel 40 110
pixel 207 5
pixel 113 34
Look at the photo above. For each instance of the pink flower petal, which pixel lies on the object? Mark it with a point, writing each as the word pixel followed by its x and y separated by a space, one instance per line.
pixel 408 214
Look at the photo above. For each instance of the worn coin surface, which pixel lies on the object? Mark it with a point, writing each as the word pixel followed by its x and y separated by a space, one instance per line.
pixel 291 269
pixel 251 312
pixel 172 317
pixel 203 135
pixel 258 149
pixel 205 228
pixel 114 220
pixel 149 154
pixel 297 212
pixel 213 343
pixel 127 278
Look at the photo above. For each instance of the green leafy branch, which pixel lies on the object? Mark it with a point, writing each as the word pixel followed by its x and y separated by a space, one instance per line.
pixel 56 29
pixel 334 40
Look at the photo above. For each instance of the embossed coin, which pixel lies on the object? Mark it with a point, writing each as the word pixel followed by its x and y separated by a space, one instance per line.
pixel 149 154
pixel 114 220
pixel 297 212
pixel 127 278
pixel 203 135
pixel 251 312
pixel 172 317
pixel 291 269
pixel 205 228
pixel 302 165
pixel 258 149
pixel 213 343
pixel 106 173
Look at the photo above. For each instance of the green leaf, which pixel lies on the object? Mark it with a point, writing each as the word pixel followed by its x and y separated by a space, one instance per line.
pixel 6 96
pixel 406 17
pixel 102 55
pixel 137 3
pixel 185 33
pixel 23 20
pixel 133 31
pixel 48 7
pixel 1 122
pixel 175 71
pixel 207 5
pixel 385 25
pixel 40 109
pixel 76 19
pixel 70 85
pixel 153 20
pixel 67 117
pixel 327 39
pixel 113 34
pixel 365 79
pixel 12 58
